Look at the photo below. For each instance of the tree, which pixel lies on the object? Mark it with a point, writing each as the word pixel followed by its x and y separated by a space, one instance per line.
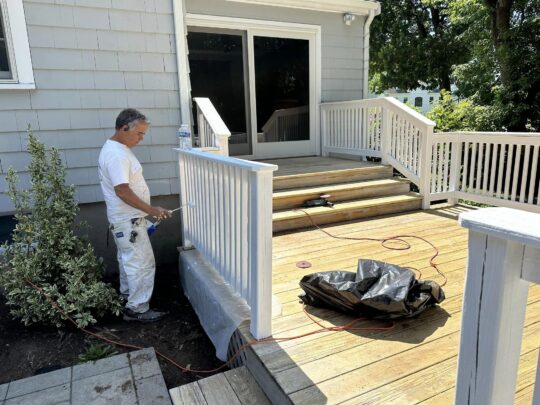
pixel 47 253
pixel 414 43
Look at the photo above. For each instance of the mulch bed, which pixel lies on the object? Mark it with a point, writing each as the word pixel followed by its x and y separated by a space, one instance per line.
pixel 26 351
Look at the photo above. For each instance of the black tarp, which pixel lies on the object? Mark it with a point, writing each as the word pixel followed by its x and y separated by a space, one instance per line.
pixel 377 290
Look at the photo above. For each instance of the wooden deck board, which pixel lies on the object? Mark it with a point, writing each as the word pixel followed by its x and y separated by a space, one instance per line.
pixel 414 362
pixel 314 164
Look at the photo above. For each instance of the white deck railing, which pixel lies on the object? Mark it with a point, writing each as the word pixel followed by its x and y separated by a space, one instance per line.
pixel 381 127
pixel 504 257
pixel 288 124
pixel 231 224
pixel 213 133
pixel 497 168
pixel 494 168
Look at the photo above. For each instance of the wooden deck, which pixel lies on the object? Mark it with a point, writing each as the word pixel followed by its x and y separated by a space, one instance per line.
pixel 415 362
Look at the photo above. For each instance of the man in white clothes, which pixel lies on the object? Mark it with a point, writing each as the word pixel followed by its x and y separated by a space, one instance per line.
pixel 128 201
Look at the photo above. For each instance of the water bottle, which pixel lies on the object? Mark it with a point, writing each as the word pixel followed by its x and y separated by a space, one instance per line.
pixel 184 136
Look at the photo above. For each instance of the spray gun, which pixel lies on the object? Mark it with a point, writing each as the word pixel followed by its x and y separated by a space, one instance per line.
pixel 153 226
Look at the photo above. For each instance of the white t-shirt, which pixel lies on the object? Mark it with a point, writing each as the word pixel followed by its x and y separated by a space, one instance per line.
pixel 118 165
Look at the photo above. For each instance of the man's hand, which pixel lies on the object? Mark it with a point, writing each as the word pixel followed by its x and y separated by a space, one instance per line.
pixel 160 213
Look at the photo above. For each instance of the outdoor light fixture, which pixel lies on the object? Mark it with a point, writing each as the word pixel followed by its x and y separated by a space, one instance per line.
pixel 348 18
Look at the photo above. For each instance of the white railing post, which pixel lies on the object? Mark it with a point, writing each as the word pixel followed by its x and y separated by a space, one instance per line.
pixel 182 178
pixel 504 255
pixel 223 144
pixel 202 127
pixel 455 168
pixel 324 131
pixel 425 166
pixel 260 250
pixel 386 128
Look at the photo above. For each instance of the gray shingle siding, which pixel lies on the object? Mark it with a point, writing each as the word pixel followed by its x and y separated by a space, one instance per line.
pixel 92 58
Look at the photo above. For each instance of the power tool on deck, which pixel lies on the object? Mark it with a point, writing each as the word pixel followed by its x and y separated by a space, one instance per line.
pixel 322 201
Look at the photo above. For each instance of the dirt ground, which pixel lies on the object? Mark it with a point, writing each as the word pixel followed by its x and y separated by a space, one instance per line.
pixel 25 351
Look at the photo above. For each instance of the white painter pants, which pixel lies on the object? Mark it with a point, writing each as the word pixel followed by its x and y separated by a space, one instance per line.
pixel 136 263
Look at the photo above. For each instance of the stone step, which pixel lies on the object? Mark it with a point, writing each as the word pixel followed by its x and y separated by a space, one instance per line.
pixel 345 211
pixel 234 387
pixel 292 181
pixel 288 199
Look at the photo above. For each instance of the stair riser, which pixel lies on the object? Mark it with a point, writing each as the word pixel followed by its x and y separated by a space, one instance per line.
pixel 334 217
pixel 327 178
pixel 296 201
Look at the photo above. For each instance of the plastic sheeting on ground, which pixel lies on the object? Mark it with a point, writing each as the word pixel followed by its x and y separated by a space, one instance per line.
pixel 219 308
pixel 377 290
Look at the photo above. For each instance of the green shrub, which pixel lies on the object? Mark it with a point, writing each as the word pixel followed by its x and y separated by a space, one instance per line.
pixel 461 115
pixel 46 251
pixel 96 351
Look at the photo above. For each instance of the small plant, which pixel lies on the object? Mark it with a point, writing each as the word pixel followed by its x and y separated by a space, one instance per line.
pixel 96 351
pixel 46 252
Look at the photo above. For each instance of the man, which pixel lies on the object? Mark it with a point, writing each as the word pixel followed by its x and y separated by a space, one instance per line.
pixel 128 201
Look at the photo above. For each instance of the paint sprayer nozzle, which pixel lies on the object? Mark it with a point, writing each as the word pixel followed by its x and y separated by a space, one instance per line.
pixel 153 226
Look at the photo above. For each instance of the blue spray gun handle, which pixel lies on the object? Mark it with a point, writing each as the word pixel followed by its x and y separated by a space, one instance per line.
pixel 152 227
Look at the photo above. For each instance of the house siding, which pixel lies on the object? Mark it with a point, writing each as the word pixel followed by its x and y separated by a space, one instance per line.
pixel 341 45
pixel 91 59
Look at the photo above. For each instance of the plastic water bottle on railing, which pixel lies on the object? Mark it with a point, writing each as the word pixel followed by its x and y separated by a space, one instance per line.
pixel 184 136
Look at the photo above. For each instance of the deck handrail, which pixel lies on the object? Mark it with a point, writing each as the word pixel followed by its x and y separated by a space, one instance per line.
pixel 444 166
pixel 213 133
pixel 496 168
pixel 383 128
pixel 504 257
pixel 230 224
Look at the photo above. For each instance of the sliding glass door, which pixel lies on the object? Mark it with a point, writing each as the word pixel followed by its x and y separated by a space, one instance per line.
pixel 262 84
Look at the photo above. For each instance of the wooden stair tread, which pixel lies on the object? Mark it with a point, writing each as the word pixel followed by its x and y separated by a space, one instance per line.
pixel 236 386
pixel 346 206
pixel 312 179
pixel 328 189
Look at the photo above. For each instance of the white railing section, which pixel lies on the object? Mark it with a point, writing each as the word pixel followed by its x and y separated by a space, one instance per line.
pixel 497 168
pixel 213 133
pixel 289 124
pixel 230 223
pixel 381 127
pixel 504 257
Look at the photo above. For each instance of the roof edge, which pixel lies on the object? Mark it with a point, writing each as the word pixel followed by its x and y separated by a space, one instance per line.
pixel 358 7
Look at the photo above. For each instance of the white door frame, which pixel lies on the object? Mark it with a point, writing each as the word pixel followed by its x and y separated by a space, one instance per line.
pixel 276 29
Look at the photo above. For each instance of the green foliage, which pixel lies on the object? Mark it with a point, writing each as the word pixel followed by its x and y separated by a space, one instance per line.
pixel 415 43
pixel 461 115
pixel 96 351
pixel 46 251
pixel 491 55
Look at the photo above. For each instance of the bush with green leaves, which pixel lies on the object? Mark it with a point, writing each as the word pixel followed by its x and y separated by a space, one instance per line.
pixel 46 251
pixel 461 115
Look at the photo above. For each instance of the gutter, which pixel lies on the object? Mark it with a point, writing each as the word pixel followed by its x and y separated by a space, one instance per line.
pixel 367 24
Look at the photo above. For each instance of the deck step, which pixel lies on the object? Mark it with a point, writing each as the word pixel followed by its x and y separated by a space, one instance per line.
pixel 322 178
pixel 234 387
pixel 346 211
pixel 288 199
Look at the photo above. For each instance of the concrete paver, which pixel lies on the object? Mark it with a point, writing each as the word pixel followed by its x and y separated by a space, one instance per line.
pixel 114 387
pixel 132 378
pixel 49 396
pixel 3 392
pixel 38 382
pixel 93 368
pixel 152 391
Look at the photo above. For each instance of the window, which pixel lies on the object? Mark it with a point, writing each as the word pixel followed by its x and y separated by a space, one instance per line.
pixel 405 99
pixel 418 101
pixel 15 64
pixel 431 100
pixel 5 66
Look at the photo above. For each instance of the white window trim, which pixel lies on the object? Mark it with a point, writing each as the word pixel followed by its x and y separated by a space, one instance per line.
pixel 17 38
